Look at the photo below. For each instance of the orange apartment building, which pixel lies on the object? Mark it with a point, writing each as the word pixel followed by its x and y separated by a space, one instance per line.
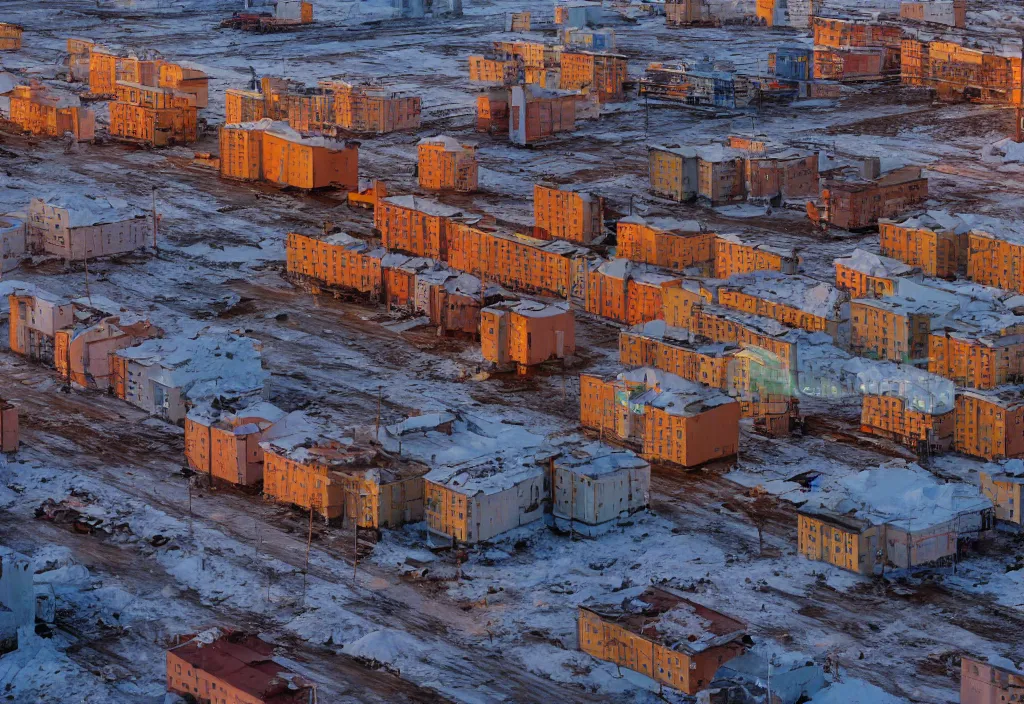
pixel 859 204
pixel 848 542
pixel 536 114
pixel 156 116
pixel 78 59
pixel 241 105
pixel 367 109
pixel 38 111
pixel 667 243
pixel 1003 485
pixel 958 73
pixel 84 353
pixel 526 333
pixel 35 318
pixel 10 36
pixel 844 34
pixel 734 255
pixel 626 292
pixel 983 683
pixel 337 261
pixel 237 668
pixel 416 226
pixel 502 72
pixel 653 345
pixel 274 152
pixel 659 633
pixel 892 418
pixel 796 301
pixel 684 13
pixel 445 164
pixel 103 66
pixel 666 417
pixel 601 72
pixel 340 481
pixel 492 111
pixel 227 446
pixel 866 275
pixel 989 424
pixel 936 242
pixel 995 257
pixel 567 214
pixel 185 78
pixel 553 268
pixel 978 359
pixel 893 328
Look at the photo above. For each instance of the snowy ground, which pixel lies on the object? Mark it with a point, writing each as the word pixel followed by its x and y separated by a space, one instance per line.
pixel 505 630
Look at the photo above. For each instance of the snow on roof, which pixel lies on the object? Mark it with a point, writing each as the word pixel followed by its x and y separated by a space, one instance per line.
pixel 671 393
pixel 801 292
pixel 905 496
pixel 531 308
pixel 641 273
pixel 681 337
pixel 666 617
pixel 420 424
pixel 85 210
pixel 874 265
pixel 205 367
pixel 665 224
pixel 450 144
pixel 598 459
pixel 285 131
pixel 424 205
pixel 687 152
pixel 936 220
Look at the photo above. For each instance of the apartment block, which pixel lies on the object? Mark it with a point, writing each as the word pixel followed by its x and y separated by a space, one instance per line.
pixel 77 227
pixel 984 683
pixel 894 328
pixel 492 111
pixel 842 33
pixel 10 36
pixel 601 72
pixel 1003 485
pixel 537 114
pixel 526 333
pixel 37 110
pixel 595 485
pixel 368 109
pixel 891 417
pixel 865 275
pixel 936 242
pixel 666 417
pixel 78 59
pixel 416 226
pixel 664 242
pixel 337 261
pixel 958 73
pixel 977 359
pixel 626 292
pixel 669 349
pixel 661 634
pixel 226 445
pixel 856 204
pixel 848 542
pixel 567 214
pixel 989 423
pixel 445 164
pixel 35 318
pixel 492 71
pixel 86 353
pixel 153 115
pixel 274 152
pixel 951 13
pixel 687 13
pixel 793 300
pixel 994 256
pixel 673 172
pixel 736 255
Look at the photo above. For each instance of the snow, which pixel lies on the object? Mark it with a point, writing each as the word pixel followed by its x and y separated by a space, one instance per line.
pixel 86 209
pixel 424 205
pixel 855 692
pixel 814 297
pixel 386 645
pixel 450 144
pixel 874 264
pixel 285 131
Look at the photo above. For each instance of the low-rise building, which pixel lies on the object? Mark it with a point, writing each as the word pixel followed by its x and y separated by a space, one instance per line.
pixel 10 36
pixel 661 634
pixel 988 423
pixel 926 432
pixel 526 333
pixel 855 204
pixel 627 292
pixel 272 151
pixel 40 111
pixel 416 226
pixel 77 227
pixel 895 515
pixel 935 241
pixel 567 214
pixel 951 13
pixel 668 418
pixel 536 114
pixel 166 376
pixel 794 300
pixel 866 275
pixel 13 246
pixel 985 683
pixel 235 667
pixel 603 73
pixel 1002 483
pixel 35 318
pixel 794 62
pixel 959 73
pixel 445 164
pixel 594 485
pixel 664 242
pixel 226 445
pixel 735 254
pixel 309 464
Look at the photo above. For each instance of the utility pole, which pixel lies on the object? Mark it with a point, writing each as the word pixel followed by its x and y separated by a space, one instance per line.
pixel 87 294
pixel 309 542
pixel 380 393
pixel 156 247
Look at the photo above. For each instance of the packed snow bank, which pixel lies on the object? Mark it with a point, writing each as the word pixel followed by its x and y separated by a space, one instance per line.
pixel 855 692
pixel 386 645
